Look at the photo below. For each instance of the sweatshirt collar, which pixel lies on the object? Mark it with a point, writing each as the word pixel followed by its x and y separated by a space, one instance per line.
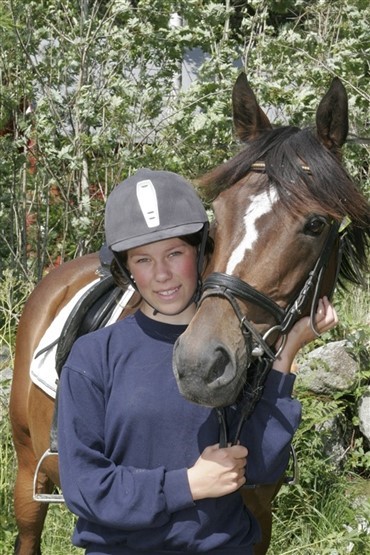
pixel 159 330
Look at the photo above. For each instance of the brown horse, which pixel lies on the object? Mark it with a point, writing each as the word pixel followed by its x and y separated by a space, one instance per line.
pixel 31 409
pixel 279 246
pixel 284 207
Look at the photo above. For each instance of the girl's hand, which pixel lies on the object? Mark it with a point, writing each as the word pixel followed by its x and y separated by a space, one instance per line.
pixel 218 472
pixel 302 333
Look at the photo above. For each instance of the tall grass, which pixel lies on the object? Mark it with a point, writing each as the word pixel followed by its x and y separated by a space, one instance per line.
pixel 12 296
pixel 333 519
pixel 59 522
pixel 7 474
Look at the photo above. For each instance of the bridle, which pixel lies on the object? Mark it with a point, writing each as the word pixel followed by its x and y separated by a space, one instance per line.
pixel 233 289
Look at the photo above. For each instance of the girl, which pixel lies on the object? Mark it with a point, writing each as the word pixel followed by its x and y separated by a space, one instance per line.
pixel 140 466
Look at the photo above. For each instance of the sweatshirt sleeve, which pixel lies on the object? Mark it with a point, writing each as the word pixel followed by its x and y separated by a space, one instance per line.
pixel 94 487
pixel 269 431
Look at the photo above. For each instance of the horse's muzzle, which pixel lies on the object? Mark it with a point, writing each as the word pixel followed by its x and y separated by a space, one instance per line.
pixel 211 373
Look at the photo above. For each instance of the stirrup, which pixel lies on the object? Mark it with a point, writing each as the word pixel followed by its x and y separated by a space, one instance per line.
pixel 45 497
pixel 293 480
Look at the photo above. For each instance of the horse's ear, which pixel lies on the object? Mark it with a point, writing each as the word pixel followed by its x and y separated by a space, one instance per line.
pixel 332 116
pixel 249 119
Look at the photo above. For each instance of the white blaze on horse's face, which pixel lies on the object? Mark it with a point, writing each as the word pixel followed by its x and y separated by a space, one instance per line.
pixel 260 205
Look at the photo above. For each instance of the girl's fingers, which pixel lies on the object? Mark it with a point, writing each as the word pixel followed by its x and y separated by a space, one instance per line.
pixel 326 316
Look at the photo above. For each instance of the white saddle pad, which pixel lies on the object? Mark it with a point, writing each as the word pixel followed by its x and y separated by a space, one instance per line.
pixel 43 369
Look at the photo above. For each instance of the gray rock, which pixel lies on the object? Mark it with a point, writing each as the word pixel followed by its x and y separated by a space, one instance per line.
pixel 328 369
pixel 364 414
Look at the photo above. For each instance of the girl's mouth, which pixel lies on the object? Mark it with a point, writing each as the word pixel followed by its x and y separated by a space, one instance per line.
pixel 168 292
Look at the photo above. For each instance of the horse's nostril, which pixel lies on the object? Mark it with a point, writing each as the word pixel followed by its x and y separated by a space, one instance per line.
pixel 223 370
pixel 217 369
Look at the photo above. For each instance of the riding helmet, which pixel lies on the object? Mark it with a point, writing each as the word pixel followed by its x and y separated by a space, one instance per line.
pixel 150 206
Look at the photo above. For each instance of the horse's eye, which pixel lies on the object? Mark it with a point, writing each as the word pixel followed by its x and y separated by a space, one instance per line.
pixel 315 226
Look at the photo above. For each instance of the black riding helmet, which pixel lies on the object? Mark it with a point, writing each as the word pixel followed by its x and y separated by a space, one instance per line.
pixel 150 206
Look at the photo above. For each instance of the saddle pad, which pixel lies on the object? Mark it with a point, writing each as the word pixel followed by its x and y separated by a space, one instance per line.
pixel 43 367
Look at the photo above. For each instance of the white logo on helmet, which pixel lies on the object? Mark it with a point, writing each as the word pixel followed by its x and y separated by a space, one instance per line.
pixel 147 197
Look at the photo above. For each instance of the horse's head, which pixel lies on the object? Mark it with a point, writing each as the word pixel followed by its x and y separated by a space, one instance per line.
pixel 278 208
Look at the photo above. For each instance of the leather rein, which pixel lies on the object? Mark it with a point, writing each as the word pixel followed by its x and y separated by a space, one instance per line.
pixel 232 288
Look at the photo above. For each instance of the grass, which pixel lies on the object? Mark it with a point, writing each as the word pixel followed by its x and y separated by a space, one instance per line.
pixel 58 531
pixel 332 521
pixel 59 521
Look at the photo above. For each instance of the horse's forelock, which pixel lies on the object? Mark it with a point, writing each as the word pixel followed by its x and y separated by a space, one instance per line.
pixel 227 174
pixel 285 150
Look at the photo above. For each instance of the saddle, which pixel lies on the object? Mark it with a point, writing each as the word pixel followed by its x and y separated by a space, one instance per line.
pixel 90 313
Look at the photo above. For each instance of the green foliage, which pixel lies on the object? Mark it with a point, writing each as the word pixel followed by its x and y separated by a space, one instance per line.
pixel 323 521
pixel 7 475
pixel 13 294
pixel 314 437
pixel 105 77
pixel 328 512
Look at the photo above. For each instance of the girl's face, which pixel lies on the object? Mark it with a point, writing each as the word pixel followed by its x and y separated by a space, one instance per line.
pixel 165 274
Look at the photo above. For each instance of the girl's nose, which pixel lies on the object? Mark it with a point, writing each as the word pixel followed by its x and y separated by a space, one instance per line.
pixel 162 272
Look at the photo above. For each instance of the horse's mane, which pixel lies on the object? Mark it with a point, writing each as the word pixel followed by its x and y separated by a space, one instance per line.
pixel 286 153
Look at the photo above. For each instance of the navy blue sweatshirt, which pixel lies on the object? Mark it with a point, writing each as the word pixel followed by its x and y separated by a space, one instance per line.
pixel 127 438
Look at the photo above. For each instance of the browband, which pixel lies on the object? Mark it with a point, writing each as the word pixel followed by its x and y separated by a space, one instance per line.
pixel 260 166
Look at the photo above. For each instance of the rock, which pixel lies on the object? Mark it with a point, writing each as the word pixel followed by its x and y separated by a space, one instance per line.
pixel 364 414
pixel 5 381
pixel 328 369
